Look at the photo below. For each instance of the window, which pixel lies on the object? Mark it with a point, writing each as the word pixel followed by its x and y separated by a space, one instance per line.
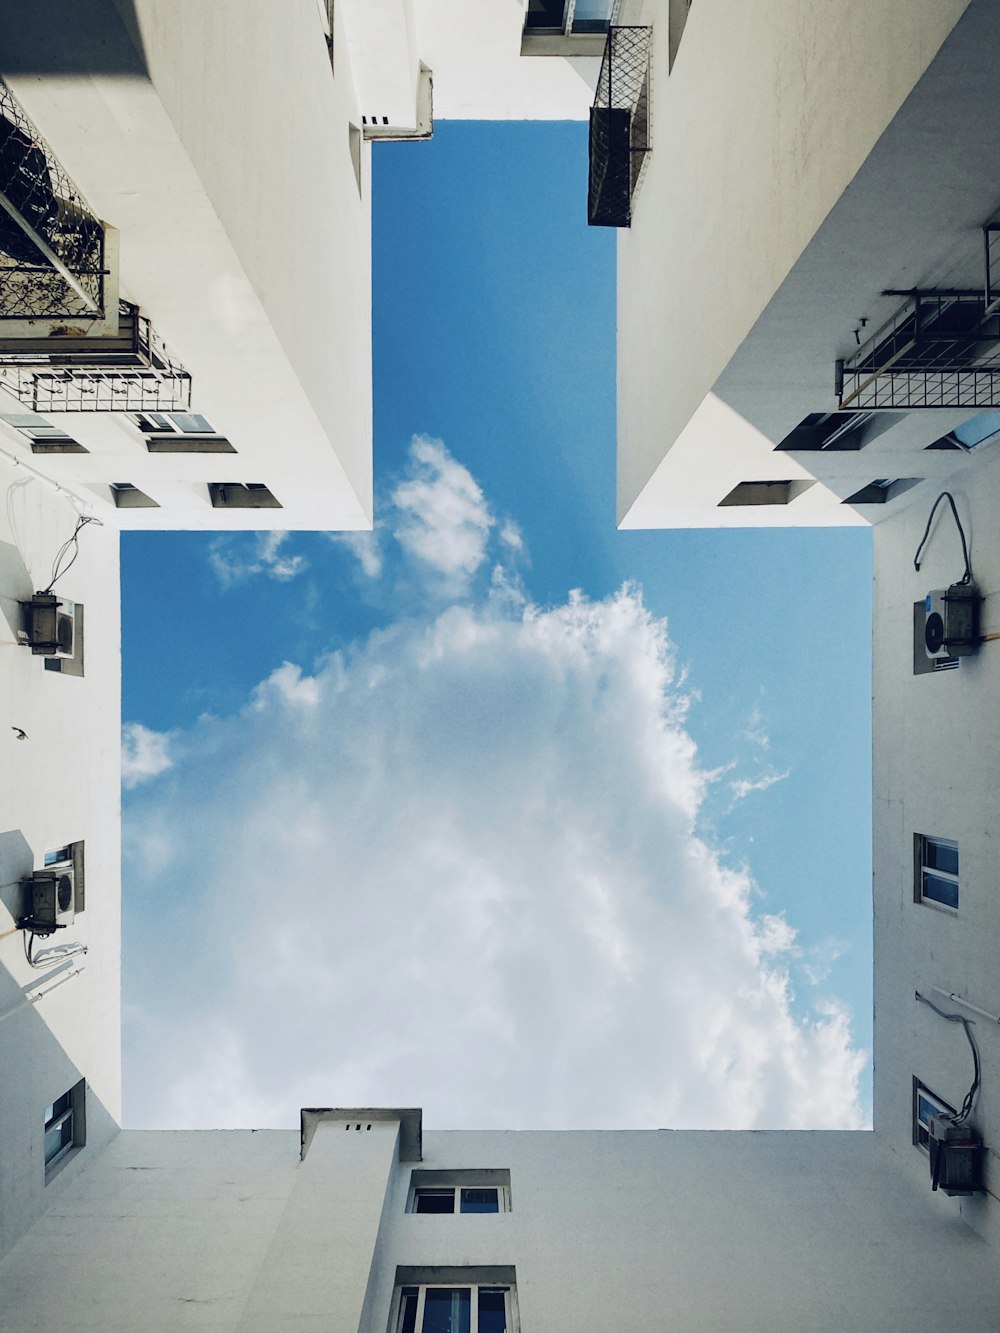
pixel 881 491
pixel 233 495
pixel 486 1191
pixel 765 492
pixel 980 429
pixel 833 431
pixel 45 438
pixel 65 1128
pixel 935 871
pixel 180 433
pixel 926 1104
pixel 565 27
pixel 476 1308
pixel 127 496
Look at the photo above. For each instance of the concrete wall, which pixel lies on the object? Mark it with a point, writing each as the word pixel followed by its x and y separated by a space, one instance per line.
pixel 218 143
pixel 701 1231
pixel 764 119
pixel 936 772
pixel 58 786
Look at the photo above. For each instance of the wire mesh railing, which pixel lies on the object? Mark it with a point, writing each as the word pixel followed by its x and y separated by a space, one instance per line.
pixel 133 372
pixel 619 127
pixel 51 245
pixel 940 349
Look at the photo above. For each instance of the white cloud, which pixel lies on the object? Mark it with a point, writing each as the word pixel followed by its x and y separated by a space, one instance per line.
pixel 458 867
pixel 442 517
pixel 366 548
pixel 235 558
pixel 145 753
pixel 741 787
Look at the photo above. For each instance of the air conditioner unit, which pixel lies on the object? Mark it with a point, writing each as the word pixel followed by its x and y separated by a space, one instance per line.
pixel 53 894
pixel 956 1153
pixel 951 621
pixel 50 621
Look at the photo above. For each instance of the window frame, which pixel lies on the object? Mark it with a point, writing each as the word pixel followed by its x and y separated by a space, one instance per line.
pixel 169 437
pixel 474 1287
pixel 43 437
pixel 68 1109
pixel 922 871
pixel 452 1181
pixel 921 1128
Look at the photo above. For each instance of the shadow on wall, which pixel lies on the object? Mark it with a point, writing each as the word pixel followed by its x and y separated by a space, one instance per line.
pixel 71 38
pixel 15 587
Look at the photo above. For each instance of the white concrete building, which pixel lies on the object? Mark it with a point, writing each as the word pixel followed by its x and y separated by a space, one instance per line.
pixel 802 161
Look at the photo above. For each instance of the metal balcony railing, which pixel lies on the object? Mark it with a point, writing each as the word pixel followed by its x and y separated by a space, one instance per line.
pixel 940 349
pixel 51 245
pixel 619 127
pixel 130 372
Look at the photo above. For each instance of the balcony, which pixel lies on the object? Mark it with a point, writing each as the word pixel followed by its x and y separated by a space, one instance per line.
pixel 940 349
pixel 619 127
pixel 130 371
pixel 52 249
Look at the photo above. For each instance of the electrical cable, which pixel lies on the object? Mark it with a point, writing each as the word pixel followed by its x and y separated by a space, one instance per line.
pixel 71 543
pixel 50 958
pixel 946 495
pixel 970 1096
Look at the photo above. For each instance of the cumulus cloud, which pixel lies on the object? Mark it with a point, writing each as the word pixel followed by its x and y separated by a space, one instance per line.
pixel 235 558
pixel 442 517
pixel 145 753
pixel 366 548
pixel 459 866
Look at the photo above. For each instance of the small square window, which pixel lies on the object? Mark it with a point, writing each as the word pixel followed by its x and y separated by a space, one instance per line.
pixel 935 871
pixel 234 495
pixel 925 1105
pixel 65 1128
pixel 45 438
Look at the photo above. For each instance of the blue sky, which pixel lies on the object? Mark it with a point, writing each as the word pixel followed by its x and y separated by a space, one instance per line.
pixel 494 323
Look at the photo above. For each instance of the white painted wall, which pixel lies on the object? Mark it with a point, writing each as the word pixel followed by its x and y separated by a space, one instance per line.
pixel 757 131
pixel 222 154
pixel 771 1233
pixel 936 745
pixel 58 786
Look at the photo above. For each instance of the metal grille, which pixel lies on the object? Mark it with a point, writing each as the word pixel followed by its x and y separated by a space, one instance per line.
pixel 132 372
pixel 51 245
pixel 619 127
pixel 940 349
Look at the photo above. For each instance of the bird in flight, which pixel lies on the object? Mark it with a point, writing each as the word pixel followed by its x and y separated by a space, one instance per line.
pixel 21 734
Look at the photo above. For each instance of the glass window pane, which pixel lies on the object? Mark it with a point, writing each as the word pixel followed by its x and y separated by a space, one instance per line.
pixel 435 1201
pixel 944 891
pixel 977 429
pixel 24 420
pixel 447 1310
pixel 545 14
pixel 58 1108
pixel 492 1310
pixel 940 855
pixel 58 1138
pixel 592 15
pixel 408 1311
pixel 480 1201
pixel 191 423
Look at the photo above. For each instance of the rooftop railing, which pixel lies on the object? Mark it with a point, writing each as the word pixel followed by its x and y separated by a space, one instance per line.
pixel 51 244
pixel 619 127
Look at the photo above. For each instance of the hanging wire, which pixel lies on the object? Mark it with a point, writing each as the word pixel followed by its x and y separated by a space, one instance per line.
pixel 51 956
pixel 72 543
pixel 946 495
pixel 970 1097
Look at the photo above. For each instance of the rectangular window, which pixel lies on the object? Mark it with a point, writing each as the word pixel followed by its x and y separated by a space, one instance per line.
pixel 462 1191
pixel 180 433
pixel 45 438
pixel 935 871
pixel 476 1308
pixel 234 495
pixel 925 1105
pixel 65 1128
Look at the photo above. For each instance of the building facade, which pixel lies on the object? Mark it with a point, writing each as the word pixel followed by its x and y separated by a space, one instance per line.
pixel 798 162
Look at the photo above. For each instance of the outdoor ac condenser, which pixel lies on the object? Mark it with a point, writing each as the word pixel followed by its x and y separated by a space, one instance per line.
pixel 951 621
pixel 956 1157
